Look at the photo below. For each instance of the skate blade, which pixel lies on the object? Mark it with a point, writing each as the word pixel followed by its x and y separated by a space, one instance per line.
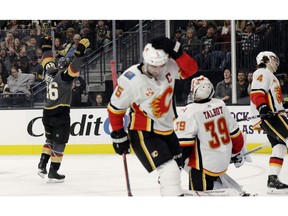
pixel 277 191
pixel 55 180
pixel 42 175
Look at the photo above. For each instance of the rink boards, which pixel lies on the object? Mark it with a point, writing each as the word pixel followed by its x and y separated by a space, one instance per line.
pixel 22 131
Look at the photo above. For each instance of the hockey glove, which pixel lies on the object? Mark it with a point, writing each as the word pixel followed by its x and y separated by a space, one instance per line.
pixel 120 141
pixel 81 47
pixel 238 160
pixel 285 105
pixel 46 43
pixel 265 112
pixel 173 48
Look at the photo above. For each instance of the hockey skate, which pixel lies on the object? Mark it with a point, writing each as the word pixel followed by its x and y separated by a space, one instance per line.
pixel 275 186
pixel 55 177
pixel 42 171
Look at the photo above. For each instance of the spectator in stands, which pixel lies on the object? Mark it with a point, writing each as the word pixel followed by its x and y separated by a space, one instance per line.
pixel 22 64
pixel 32 46
pixel 19 82
pixel 249 80
pixel 70 33
pixel 78 87
pixel 71 47
pixel 178 36
pixel 212 56
pixel 3 71
pixel 191 44
pixel 17 45
pixel 103 34
pixel 202 31
pixel 5 58
pixel 58 47
pixel 3 86
pixel 224 88
pixel 249 44
pixel 36 68
pixel 240 25
pixel 224 41
pixel 195 24
pixel 225 27
pixel 87 31
pixel 99 101
pixel 241 87
pixel 38 53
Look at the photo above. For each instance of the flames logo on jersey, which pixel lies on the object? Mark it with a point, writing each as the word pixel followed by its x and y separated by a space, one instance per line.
pixel 278 94
pixel 159 105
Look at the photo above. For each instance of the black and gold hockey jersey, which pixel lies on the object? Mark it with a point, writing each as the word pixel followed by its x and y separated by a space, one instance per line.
pixel 59 84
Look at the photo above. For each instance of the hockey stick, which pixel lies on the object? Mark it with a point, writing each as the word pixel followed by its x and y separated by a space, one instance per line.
pixel 114 79
pixel 254 150
pixel 217 192
pixel 258 116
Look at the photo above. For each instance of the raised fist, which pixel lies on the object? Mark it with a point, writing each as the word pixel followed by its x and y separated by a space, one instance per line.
pixel 81 47
pixel 46 43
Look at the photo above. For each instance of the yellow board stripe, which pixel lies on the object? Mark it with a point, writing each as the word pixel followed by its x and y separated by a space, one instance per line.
pixel 85 149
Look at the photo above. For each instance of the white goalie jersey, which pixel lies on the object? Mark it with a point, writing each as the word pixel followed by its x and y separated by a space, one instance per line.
pixel 212 132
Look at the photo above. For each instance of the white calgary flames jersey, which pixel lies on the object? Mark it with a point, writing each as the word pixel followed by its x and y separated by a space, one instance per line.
pixel 212 132
pixel 265 88
pixel 150 100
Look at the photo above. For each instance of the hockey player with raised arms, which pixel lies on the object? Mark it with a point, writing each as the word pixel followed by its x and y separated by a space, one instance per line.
pixel 266 101
pixel 210 138
pixel 147 89
pixel 56 113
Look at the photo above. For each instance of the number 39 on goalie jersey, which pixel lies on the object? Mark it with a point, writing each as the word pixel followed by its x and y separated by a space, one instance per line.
pixel 212 132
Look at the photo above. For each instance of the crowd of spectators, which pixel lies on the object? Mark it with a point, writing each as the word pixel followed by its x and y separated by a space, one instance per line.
pixel 20 44
pixel 208 41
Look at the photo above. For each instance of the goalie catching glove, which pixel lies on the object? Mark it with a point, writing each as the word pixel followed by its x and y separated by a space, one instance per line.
pixel 81 47
pixel 121 143
pixel 174 49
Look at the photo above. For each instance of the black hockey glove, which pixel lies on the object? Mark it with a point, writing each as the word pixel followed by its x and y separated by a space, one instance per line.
pixel 120 141
pixel 81 47
pixel 238 160
pixel 173 48
pixel 46 43
pixel 265 112
pixel 285 105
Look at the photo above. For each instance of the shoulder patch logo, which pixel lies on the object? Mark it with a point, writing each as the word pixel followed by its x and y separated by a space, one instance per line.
pixel 129 75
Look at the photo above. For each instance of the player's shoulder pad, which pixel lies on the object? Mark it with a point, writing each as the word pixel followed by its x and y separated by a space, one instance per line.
pixel 129 75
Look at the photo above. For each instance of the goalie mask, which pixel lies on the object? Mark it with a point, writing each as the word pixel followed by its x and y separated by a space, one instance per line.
pixel 201 88
pixel 270 59
pixel 154 60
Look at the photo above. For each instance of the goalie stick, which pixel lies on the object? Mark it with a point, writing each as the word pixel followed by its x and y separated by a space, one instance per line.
pixel 114 79
pixel 258 116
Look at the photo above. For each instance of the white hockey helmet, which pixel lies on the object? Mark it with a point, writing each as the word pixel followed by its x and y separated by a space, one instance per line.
pixel 155 57
pixel 269 55
pixel 201 88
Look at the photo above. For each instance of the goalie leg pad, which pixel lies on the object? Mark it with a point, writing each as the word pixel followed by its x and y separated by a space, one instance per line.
pixel 169 179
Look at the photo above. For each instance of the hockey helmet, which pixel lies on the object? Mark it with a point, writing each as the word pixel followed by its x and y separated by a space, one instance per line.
pixel 155 57
pixel 63 63
pixel 201 88
pixel 260 57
